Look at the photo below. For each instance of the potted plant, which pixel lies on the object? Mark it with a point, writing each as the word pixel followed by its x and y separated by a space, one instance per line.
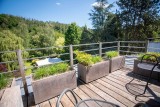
pixel 148 59
pixel 50 81
pixel 10 94
pixel 116 61
pixel 91 67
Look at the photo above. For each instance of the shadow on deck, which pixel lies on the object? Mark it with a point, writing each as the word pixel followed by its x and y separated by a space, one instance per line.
pixel 113 88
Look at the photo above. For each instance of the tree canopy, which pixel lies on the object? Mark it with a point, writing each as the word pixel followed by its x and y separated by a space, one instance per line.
pixel 72 35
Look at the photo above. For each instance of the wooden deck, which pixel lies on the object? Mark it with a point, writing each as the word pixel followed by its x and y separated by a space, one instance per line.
pixel 112 88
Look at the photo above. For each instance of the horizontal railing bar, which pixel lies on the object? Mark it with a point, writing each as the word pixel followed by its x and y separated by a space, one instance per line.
pixel 133 41
pixel 132 47
pixel 110 47
pixel 35 58
pixel 131 52
pixel 9 72
pixel 7 51
pixel 8 62
pixel 64 54
pixel 44 48
pixel 153 48
pixel 90 50
pixel 86 44
pixel 44 56
pixel 109 42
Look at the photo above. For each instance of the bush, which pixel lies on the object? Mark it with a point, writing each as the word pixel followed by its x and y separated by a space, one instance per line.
pixel 148 57
pixel 111 54
pixel 50 70
pixel 4 80
pixel 87 59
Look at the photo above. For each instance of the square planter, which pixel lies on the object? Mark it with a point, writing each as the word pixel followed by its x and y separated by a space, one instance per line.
pixel 144 72
pixel 90 73
pixel 52 86
pixel 11 97
pixel 117 63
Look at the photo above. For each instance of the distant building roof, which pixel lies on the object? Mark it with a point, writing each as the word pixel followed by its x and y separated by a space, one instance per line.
pixel 48 61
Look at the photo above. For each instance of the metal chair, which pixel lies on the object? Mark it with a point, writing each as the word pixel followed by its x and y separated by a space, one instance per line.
pixel 77 104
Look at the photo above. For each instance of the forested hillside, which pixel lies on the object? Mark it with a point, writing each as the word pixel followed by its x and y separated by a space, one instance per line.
pixel 34 34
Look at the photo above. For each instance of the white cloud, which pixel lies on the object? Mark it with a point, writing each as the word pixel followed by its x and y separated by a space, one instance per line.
pixel 58 4
pixel 98 4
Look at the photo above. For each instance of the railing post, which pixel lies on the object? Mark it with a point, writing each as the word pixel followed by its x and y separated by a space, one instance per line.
pixel 118 47
pixel 22 71
pixel 146 47
pixel 100 49
pixel 71 55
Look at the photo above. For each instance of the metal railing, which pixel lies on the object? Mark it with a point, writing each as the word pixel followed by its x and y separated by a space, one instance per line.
pixel 123 47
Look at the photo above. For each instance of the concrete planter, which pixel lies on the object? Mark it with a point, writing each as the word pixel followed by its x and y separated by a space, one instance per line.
pixel 90 73
pixel 144 72
pixel 11 97
pixel 117 63
pixel 52 86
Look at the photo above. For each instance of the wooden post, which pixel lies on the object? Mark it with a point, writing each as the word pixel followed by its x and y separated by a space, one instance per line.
pixel 71 55
pixel 21 68
pixel 146 47
pixel 118 47
pixel 100 49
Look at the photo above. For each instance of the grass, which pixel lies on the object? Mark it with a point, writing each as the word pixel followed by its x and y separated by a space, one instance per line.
pixel 50 70
pixel 111 54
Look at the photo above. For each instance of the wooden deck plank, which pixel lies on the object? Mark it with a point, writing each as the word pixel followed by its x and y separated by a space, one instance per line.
pixel 114 95
pixel 92 94
pixel 121 86
pixel 143 81
pixel 125 80
pixel 83 96
pixel 45 104
pixel 104 95
pixel 110 88
pixel 53 102
pixel 77 97
pixel 66 102
pixel 137 89
pixel 118 91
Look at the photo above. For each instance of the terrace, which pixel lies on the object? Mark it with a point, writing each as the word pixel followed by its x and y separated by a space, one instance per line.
pixel 115 87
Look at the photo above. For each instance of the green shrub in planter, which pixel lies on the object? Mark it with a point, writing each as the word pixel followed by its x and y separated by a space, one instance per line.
pixel 116 61
pixel 91 67
pixel 149 58
pixel 50 70
pixel 87 59
pixel 111 54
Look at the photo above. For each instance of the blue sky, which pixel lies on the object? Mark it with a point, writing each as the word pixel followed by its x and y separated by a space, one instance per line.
pixel 63 11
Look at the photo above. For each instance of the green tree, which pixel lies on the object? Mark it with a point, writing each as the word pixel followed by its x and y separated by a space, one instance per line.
pixel 86 36
pixel 139 18
pixel 10 42
pixel 72 35
pixel 99 16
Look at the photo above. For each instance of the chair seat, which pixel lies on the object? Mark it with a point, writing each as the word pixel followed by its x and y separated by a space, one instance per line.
pixel 147 66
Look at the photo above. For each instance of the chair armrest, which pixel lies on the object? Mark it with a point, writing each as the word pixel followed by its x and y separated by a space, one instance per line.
pixel 65 91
